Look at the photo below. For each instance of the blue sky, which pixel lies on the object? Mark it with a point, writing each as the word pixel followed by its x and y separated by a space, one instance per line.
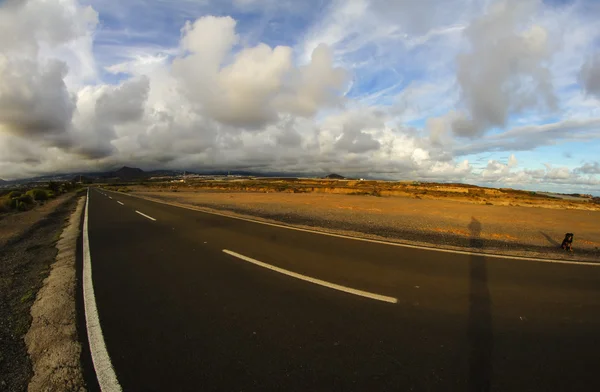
pixel 494 92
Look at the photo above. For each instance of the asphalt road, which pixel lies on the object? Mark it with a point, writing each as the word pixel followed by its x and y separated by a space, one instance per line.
pixel 178 313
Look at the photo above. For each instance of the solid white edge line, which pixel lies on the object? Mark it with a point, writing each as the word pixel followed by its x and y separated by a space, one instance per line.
pixel 105 373
pixel 460 252
pixel 319 282
pixel 145 216
pixel 120 203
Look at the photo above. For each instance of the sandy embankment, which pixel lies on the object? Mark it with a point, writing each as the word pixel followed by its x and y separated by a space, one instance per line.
pixel 525 231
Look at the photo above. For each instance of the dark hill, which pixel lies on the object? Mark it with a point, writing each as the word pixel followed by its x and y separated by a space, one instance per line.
pixel 126 173
pixel 334 176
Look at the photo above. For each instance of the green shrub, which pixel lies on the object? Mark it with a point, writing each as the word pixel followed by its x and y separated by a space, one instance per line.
pixel 4 205
pixel 14 194
pixel 25 199
pixel 22 206
pixel 54 186
pixel 38 194
pixel 13 203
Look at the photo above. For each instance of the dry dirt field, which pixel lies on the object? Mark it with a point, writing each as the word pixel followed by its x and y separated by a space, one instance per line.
pixel 513 222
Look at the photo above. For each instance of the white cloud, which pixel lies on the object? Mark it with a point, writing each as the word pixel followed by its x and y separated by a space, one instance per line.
pixel 24 33
pixel 258 83
pixel 529 137
pixel 40 59
pixel 101 111
pixel 495 171
pixel 504 70
pixel 142 63
pixel 34 101
pixel 589 168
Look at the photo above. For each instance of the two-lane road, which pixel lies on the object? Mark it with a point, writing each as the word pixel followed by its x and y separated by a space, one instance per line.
pixel 195 301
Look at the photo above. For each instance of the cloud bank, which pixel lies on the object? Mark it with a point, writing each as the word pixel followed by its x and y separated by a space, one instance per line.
pixel 368 88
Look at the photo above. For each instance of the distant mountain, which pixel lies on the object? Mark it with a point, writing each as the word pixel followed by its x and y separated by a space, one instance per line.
pixel 334 176
pixel 3 182
pixel 126 173
pixel 129 172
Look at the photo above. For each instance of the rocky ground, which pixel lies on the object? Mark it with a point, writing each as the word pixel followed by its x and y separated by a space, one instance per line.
pixel 515 230
pixel 27 250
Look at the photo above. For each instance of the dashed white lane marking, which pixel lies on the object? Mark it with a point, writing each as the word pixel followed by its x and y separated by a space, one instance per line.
pixel 320 282
pixel 110 197
pixel 107 379
pixel 145 216
pixel 120 203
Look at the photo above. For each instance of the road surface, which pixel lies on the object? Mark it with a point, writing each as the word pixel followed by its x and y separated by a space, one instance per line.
pixel 194 301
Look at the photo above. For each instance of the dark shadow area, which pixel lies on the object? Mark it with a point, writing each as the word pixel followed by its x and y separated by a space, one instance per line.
pixel 550 239
pixel 481 339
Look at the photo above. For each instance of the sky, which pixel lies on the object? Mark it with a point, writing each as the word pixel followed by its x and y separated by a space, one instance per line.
pixel 502 93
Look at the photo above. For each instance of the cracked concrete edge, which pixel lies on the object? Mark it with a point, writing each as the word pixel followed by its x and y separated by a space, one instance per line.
pixel 52 341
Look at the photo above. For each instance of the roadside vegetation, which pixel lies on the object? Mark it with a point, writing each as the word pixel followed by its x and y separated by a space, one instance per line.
pixel 19 200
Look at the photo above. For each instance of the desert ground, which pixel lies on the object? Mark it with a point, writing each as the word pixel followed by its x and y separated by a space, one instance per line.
pixel 512 222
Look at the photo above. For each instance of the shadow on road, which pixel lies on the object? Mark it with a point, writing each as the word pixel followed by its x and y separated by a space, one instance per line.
pixel 550 239
pixel 481 339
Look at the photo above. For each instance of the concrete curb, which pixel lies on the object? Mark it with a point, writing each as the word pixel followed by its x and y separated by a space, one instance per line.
pixel 52 341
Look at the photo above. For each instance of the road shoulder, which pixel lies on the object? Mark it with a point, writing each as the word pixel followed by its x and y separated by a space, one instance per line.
pixel 52 341
pixel 25 261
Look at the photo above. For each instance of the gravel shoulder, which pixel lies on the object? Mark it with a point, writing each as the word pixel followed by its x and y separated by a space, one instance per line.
pixel 509 230
pixel 52 341
pixel 25 260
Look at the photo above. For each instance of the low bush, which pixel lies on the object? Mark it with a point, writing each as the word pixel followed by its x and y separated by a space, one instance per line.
pixel 38 194
pixel 21 206
pixel 5 205
pixel 14 194
pixel 54 186
pixel 25 199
